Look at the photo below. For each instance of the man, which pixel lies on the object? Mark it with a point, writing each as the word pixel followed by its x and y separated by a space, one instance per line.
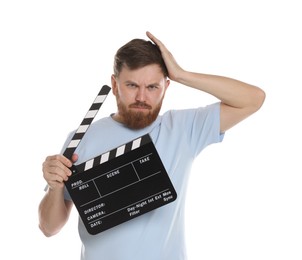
pixel 142 74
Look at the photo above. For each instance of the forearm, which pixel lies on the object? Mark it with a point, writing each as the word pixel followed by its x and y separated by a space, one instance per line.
pixel 53 212
pixel 231 92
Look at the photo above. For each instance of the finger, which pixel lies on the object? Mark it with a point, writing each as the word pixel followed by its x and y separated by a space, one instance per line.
pixel 74 157
pixel 55 184
pixel 150 35
pixel 154 39
pixel 51 177
pixel 59 157
pixel 53 166
pixel 55 173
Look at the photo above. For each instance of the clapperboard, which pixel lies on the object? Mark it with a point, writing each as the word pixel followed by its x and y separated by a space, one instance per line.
pixel 120 184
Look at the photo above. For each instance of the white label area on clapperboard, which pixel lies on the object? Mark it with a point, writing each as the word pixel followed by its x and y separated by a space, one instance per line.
pixel 121 189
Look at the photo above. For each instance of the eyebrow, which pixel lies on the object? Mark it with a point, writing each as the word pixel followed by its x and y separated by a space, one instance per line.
pixel 134 83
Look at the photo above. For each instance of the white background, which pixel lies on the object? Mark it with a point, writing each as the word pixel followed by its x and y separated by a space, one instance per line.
pixel 244 196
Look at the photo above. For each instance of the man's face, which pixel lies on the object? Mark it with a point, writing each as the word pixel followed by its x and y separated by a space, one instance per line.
pixel 139 94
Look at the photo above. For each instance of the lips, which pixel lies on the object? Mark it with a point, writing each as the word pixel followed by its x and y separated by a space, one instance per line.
pixel 140 106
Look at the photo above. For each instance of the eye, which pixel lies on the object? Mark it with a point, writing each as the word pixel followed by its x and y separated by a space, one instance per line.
pixel 131 85
pixel 152 87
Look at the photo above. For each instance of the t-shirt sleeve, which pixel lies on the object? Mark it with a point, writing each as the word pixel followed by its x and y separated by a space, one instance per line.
pixel 201 126
pixel 206 127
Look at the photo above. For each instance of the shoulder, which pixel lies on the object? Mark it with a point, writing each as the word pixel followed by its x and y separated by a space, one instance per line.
pixel 191 114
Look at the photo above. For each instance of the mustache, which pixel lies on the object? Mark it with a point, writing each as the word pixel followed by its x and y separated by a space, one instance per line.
pixel 139 104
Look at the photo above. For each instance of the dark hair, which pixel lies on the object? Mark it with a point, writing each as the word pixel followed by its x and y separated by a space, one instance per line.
pixel 136 54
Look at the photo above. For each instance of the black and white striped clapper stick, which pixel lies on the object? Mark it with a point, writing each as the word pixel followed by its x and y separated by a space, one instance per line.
pixel 86 122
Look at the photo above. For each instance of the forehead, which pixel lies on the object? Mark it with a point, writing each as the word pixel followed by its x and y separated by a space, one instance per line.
pixel 145 75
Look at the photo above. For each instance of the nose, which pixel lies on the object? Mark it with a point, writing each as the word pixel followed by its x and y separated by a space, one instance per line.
pixel 140 95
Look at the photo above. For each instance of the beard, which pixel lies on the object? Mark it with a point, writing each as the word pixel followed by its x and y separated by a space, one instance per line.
pixel 137 119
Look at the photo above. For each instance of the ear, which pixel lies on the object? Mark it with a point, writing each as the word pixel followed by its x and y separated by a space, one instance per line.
pixel 167 84
pixel 113 84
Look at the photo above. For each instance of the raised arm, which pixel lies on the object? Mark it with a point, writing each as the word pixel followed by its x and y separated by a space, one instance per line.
pixel 238 99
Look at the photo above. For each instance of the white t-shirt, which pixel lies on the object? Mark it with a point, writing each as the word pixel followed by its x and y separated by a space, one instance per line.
pixel 179 136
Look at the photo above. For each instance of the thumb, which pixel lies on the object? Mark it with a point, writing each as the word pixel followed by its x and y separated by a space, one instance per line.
pixel 74 157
